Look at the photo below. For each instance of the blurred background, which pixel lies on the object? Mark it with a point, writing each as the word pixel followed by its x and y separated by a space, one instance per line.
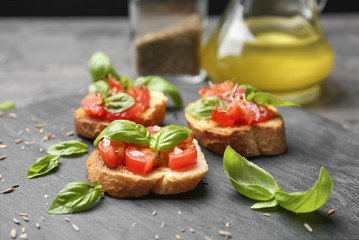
pixel 118 7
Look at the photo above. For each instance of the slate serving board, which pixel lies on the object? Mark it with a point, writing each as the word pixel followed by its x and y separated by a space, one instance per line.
pixel 313 142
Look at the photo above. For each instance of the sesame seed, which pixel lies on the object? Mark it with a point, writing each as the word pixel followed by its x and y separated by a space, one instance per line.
pixel 163 225
pixel 75 227
pixel 178 237
pixel 3 157
pixel 27 143
pixel 41 130
pixel 70 134
pixel 157 237
pixel 20 132
pixel 63 129
pixel 9 190
pixel 22 148
pixel 191 230
pixel 18 141
pixel 266 214
pixel 13 233
pixel 0 176
pixel 309 228
pixel 154 213
pixel 2 180
pixel 23 236
pixel 42 218
pixel 133 224
pixel 23 214
pixel 41 149
pixel 207 238
pixel 3 146
pixel 16 221
pixel 46 196
pixel 25 218
pixel 39 125
pixel 225 234
pixel 227 225
pixel 37 225
pixel 179 212
pixel 66 219
pixel 15 185
pixel 13 115
pixel 331 211
pixel 27 129
pixel 23 230
pixel 183 230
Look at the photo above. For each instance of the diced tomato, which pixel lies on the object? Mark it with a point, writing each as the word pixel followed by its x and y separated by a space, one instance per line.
pixel 182 156
pixel 141 95
pixel 139 160
pixel 217 89
pixel 154 129
pixel 92 105
pixel 188 140
pixel 112 152
pixel 115 86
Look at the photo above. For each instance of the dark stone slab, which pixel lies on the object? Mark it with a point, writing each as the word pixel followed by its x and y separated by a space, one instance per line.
pixel 313 142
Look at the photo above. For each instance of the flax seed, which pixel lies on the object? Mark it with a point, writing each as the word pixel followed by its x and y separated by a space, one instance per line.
pixel 225 234
pixel 70 134
pixel 331 211
pixel 13 233
pixel 3 157
pixel 75 227
pixel 16 221
pixel 18 141
pixel 309 228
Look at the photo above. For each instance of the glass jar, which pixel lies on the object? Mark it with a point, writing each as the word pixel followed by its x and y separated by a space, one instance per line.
pixel 167 36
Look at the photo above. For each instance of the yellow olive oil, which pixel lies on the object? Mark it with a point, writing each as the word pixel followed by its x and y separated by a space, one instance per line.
pixel 270 55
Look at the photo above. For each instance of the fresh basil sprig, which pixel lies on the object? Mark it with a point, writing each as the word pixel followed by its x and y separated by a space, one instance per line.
pixel 169 137
pixel 158 83
pixel 42 166
pixel 76 197
pixel 68 148
pixel 204 107
pixel 100 87
pixel 254 182
pixel 268 99
pixel 7 105
pixel 125 131
pixel 118 102
pixel 100 66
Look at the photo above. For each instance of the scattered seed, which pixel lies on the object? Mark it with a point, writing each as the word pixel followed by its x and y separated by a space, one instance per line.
pixel 179 212
pixel 163 225
pixel 207 238
pixel 157 237
pixel 39 125
pixel 191 230
pixel 13 115
pixel 178 237
pixel 3 157
pixel 41 130
pixel 205 183
pixel 66 219
pixel 63 129
pixel 9 190
pixel 70 134
pixel 47 137
pixel 46 196
pixel 15 185
pixel 331 211
pixel 133 224
pixel 0 176
pixel 18 141
pixel 2 180
pixel 183 230
pixel 23 230
pixel 227 225
pixel 266 214
pixel 47 203
pixel 37 225
pixel 13 233
pixel 41 149
pixel 23 236
pixel 75 227
pixel 27 143
pixel 154 213
pixel 225 234
pixel 309 228
pixel 23 214
pixel 20 132
pixel 27 129
pixel 16 221
pixel 22 148
pixel 25 218
pixel 3 146
pixel 42 218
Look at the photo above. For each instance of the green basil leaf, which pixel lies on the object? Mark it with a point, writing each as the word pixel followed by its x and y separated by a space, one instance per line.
pixel 42 166
pixel 310 200
pixel 158 83
pixel 268 99
pixel 68 148
pixel 118 103
pixel 125 131
pixel 100 66
pixel 267 204
pixel 7 105
pixel 100 87
pixel 169 137
pixel 249 179
pixel 126 82
pixel 203 108
pixel 75 197
pixel 249 89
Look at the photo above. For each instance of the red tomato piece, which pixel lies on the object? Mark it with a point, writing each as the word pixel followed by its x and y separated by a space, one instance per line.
pixel 216 89
pixel 188 140
pixel 154 129
pixel 139 160
pixel 112 152
pixel 115 86
pixel 141 95
pixel 182 156
pixel 92 105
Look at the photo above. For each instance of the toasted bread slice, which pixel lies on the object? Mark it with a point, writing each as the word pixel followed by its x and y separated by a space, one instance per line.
pixel 121 183
pixel 267 138
pixel 90 127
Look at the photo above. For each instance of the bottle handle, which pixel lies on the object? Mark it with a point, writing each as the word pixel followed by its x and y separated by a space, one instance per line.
pixel 321 4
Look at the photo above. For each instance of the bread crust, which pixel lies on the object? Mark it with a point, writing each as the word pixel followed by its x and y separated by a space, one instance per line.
pixel 267 138
pixel 121 183
pixel 90 127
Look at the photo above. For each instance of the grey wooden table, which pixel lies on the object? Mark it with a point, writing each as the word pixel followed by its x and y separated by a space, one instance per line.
pixel 43 68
